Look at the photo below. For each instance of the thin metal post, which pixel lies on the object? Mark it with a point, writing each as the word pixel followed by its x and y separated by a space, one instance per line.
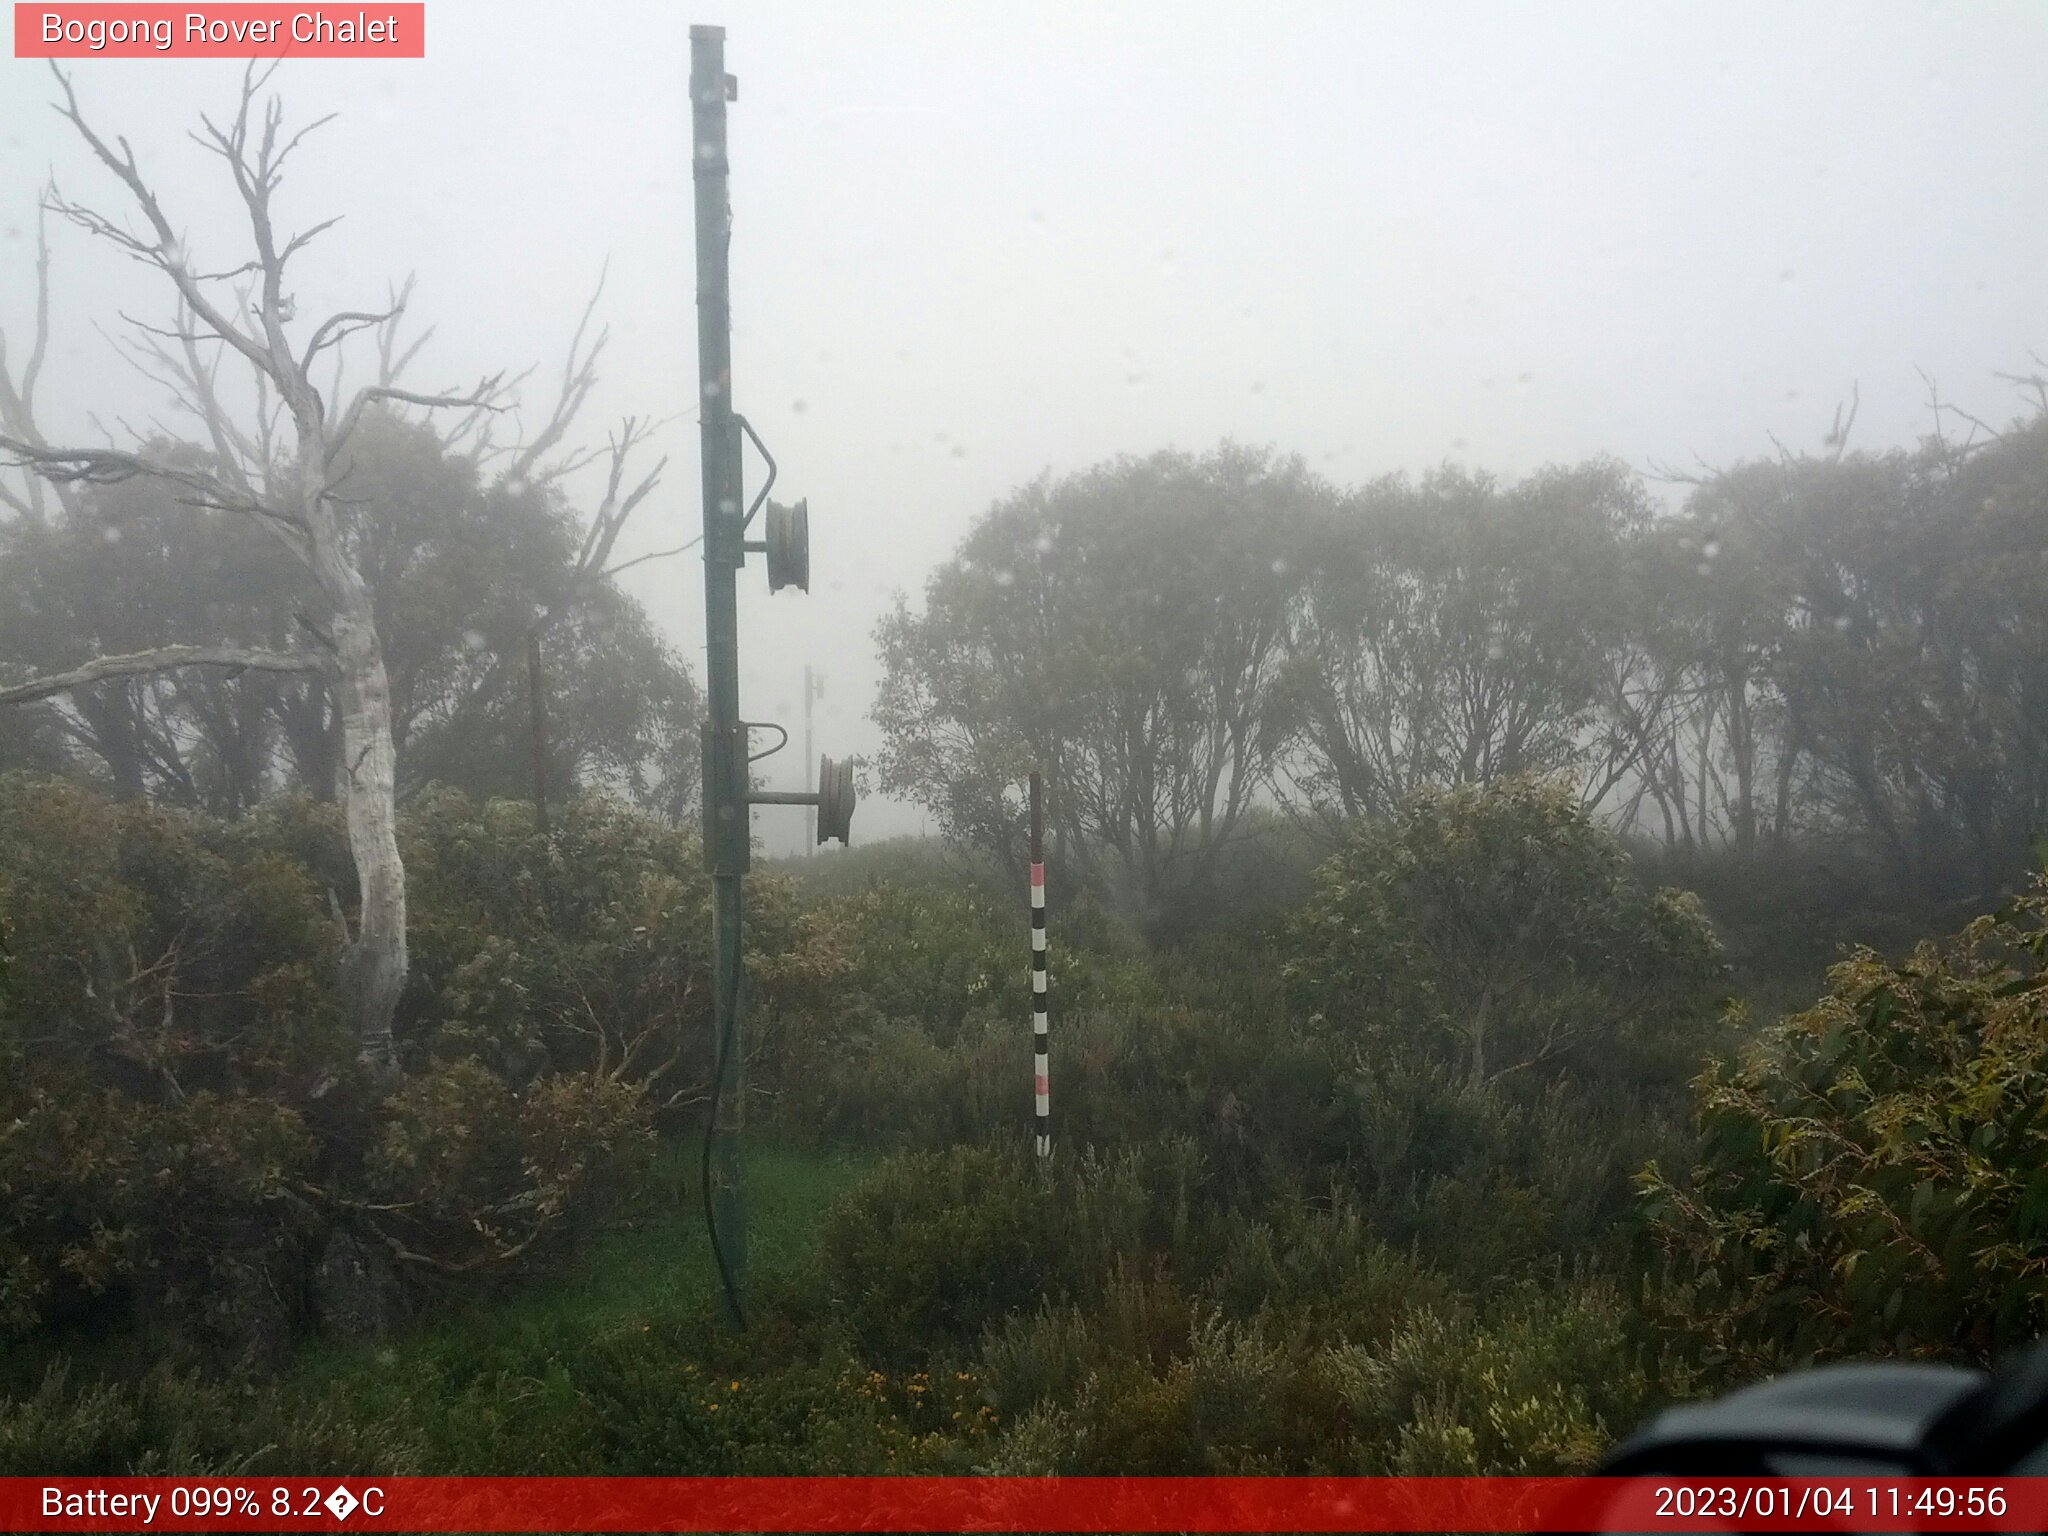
pixel 537 725
pixel 1041 1039
pixel 811 815
pixel 727 834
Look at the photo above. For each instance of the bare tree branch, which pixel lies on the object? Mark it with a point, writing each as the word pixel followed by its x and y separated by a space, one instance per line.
pixel 389 368
pixel 2037 382
pixel 164 659
pixel 614 510
pixel 579 374
pixel 111 466
pixel 659 554
pixel 342 326
pixel 18 405
pixel 1838 435
pixel 485 397
pixel 1938 407
pixel 167 254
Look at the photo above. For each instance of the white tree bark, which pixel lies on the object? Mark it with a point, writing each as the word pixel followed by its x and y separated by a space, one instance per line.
pixel 374 963
pixel 164 659
pixel 290 495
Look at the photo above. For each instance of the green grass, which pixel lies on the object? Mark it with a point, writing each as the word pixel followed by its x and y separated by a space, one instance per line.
pixel 516 1382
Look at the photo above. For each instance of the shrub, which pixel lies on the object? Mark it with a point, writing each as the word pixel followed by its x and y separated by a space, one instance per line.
pixel 933 1246
pixel 167 1423
pixel 160 1049
pixel 1151 1382
pixel 182 1127
pixel 1485 1183
pixel 1500 931
pixel 1536 1388
pixel 1321 1274
pixel 1869 1176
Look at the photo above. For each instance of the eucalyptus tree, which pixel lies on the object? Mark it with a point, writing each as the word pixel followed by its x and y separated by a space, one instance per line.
pixel 1458 631
pixel 1913 664
pixel 1121 631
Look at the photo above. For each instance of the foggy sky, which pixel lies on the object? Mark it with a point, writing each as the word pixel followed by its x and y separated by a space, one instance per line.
pixel 977 241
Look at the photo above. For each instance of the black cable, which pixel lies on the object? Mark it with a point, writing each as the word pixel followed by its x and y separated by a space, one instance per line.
pixel 732 1293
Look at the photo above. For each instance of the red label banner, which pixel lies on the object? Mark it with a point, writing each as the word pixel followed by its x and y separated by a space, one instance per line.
pixel 101 31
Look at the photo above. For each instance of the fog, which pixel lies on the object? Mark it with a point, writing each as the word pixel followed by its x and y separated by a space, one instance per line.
pixel 976 242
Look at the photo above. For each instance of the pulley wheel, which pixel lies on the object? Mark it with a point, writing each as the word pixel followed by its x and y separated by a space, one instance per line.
pixel 789 546
pixel 835 800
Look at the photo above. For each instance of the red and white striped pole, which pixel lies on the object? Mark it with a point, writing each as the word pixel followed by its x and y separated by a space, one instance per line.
pixel 1041 1064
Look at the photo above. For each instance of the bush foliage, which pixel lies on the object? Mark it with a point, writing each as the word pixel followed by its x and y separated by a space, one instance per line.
pixel 184 1129
pixel 1356 1192
pixel 1870 1176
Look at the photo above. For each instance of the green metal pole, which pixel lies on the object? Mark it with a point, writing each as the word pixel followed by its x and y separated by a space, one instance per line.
pixel 810 757
pixel 726 832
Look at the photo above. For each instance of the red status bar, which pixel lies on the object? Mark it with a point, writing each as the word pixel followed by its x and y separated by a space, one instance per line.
pixel 1080 1504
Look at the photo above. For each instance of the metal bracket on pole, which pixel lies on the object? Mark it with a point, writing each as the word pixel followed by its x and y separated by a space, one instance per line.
pixel 766 485
pixel 834 799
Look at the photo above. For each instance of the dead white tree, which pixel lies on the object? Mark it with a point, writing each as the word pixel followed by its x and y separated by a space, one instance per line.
pixel 284 482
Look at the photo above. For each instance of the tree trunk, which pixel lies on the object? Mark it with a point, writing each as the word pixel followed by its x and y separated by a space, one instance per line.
pixel 1742 744
pixel 374 963
pixel 1788 759
pixel 109 711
